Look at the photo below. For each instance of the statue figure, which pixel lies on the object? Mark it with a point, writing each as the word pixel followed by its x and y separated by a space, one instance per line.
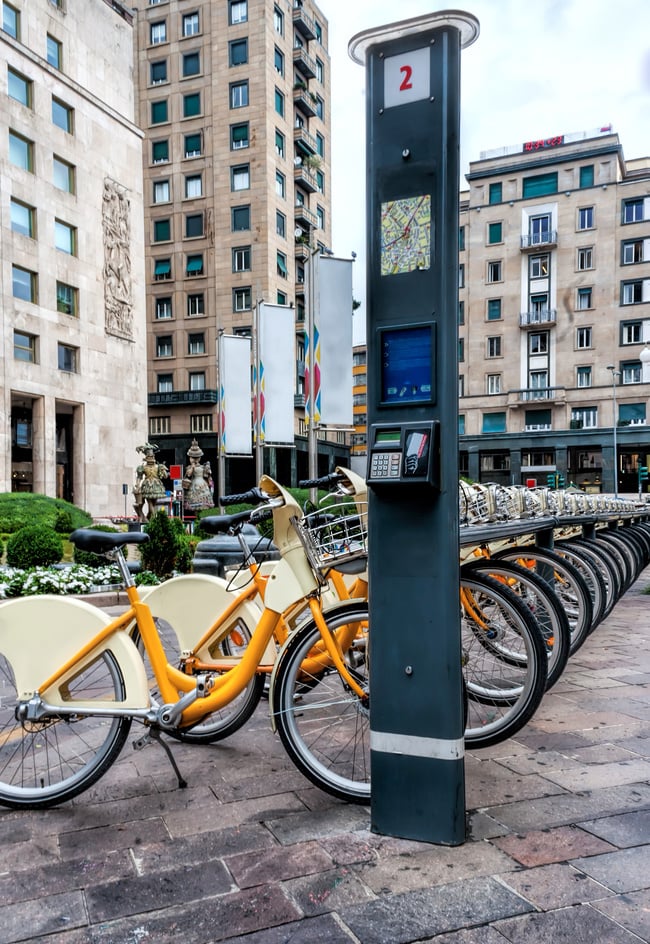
pixel 197 480
pixel 148 485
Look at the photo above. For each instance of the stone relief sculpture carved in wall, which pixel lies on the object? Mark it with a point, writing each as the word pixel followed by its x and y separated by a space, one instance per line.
pixel 118 298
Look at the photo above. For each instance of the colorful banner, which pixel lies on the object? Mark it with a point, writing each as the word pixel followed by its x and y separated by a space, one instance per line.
pixel 234 354
pixel 277 367
pixel 332 341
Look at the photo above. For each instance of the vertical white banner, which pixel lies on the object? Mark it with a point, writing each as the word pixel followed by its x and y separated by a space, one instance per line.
pixel 234 355
pixel 277 356
pixel 333 323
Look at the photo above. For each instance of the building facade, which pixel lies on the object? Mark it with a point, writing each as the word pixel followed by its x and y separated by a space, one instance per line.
pixel 234 99
pixel 554 314
pixel 73 392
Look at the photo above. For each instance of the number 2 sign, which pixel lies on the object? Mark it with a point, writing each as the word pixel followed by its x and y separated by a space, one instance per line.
pixel 407 77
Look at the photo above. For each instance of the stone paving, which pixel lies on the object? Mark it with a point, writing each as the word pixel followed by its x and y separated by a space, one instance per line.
pixel 558 846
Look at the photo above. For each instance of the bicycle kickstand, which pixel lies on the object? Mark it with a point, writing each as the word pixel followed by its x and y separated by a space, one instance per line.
pixel 153 734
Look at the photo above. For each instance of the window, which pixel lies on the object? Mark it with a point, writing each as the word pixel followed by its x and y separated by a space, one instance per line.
pixel 280 184
pixel 201 423
pixel 584 299
pixel 587 176
pixel 240 218
pixel 320 144
pixel 635 250
pixel 239 94
pixel 165 383
pixel 159 111
pixel 160 151
pixel 164 346
pixel 538 383
pixel 583 338
pixel 320 216
pixel 239 136
pixel 11 20
pixel 538 306
pixel 539 185
pixel 195 305
pixel 494 272
pixel 67 299
pixel 631 332
pixel 631 372
pixel 495 233
pixel 493 383
pixel 238 52
pixel 461 313
pixel 241 259
pixel 63 175
pixel 191 64
pixel 538 342
pixel 163 308
pixel 319 70
pixel 320 107
pixel 586 258
pixel 539 229
pixel 68 358
pixel 278 59
pixel 632 414
pixel 19 88
pixel 538 267
pixel 240 177
pixel 584 417
pixel 494 346
pixel 197 380
pixel 281 265
pixel 278 21
pixel 194 265
pixel 193 145
pixel 21 151
pixel 162 231
pixel 320 181
pixel 241 299
pixel 633 293
pixel 237 12
pixel 494 309
pixel 65 237
pixel 190 24
pixel 54 52
pixel 161 191
pixel 280 224
pixel 62 115
pixel 193 186
pixel 586 218
pixel 633 210
pixel 160 425
pixel 461 238
pixel 494 423
pixel 193 225
pixel 281 298
pixel 196 343
pixel 279 102
pixel 191 105
pixel 22 218
pixel 495 193
pixel 461 349
pixel 279 143
pixel 24 347
pixel 162 270
pixel 461 275
pixel 158 72
pixel 461 423
pixel 158 33
pixel 583 376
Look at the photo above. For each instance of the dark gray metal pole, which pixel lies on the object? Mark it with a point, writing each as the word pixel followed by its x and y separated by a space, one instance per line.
pixel 416 715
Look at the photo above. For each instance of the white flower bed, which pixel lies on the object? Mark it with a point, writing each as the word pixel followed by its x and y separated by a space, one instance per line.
pixel 77 578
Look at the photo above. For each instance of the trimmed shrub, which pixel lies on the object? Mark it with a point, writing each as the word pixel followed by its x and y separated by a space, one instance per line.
pixel 63 522
pixel 87 557
pixel 19 509
pixel 168 548
pixel 34 546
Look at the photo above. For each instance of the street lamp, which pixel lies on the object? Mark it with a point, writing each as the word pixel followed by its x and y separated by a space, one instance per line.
pixel 615 374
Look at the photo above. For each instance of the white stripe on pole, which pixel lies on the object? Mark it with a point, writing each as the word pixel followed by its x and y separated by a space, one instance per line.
pixel 277 346
pixel 235 373
pixel 333 319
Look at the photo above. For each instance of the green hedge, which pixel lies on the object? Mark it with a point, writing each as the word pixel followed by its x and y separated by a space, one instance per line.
pixel 18 509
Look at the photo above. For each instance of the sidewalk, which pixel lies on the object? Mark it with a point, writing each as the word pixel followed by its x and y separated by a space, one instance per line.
pixel 558 845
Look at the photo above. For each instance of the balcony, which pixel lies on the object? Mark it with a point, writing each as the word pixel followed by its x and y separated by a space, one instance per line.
pixel 304 63
pixel 301 251
pixel 538 394
pixel 538 316
pixel 305 142
pixel 303 176
pixel 304 102
pixel 303 23
pixel 299 401
pixel 304 216
pixel 547 239
pixel 182 396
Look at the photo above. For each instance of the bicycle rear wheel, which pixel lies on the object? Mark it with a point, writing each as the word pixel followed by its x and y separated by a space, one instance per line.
pixel 45 762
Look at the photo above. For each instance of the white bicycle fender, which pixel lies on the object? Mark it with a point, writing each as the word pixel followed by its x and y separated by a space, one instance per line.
pixel 40 634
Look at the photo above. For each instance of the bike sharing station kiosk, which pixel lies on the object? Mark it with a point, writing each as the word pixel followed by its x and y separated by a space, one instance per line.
pixel 416 711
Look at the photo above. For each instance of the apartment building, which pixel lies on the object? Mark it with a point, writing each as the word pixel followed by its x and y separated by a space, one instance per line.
pixel 72 306
pixel 234 99
pixel 554 314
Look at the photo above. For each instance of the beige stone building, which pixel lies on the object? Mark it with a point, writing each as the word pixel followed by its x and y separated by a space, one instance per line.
pixel 73 388
pixel 555 314
pixel 234 99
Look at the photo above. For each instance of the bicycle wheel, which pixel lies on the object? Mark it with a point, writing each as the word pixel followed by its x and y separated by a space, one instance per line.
pixel 323 725
pixel 541 602
pixel 46 762
pixel 503 694
pixel 592 577
pixel 609 573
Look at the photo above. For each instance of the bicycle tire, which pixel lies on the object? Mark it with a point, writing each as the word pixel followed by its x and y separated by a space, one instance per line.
pixel 623 539
pixel 608 571
pixel 323 725
pixel 502 696
pixel 47 762
pixel 622 555
pixel 543 605
pixel 592 577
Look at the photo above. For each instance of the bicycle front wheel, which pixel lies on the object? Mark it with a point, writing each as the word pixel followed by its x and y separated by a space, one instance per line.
pixel 323 724
pixel 51 760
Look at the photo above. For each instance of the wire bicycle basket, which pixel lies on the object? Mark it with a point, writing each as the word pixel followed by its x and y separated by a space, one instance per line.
pixel 334 535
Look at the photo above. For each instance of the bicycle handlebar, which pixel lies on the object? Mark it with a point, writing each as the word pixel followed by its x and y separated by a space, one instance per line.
pixel 323 482
pixel 254 496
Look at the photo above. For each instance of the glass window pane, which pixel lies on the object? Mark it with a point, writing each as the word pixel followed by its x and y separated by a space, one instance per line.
pixel 20 151
pixel 19 88
pixel 23 284
pixel 53 52
pixel 62 115
pixel 22 218
pixel 160 151
pixel 62 175
pixel 192 105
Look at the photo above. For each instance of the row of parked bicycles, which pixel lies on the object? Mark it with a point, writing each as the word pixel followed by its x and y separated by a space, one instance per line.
pixel 192 658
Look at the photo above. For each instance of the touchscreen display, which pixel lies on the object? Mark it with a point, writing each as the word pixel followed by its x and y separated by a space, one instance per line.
pixel 406 365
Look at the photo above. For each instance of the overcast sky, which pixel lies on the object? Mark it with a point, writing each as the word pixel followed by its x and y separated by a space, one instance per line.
pixel 537 69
